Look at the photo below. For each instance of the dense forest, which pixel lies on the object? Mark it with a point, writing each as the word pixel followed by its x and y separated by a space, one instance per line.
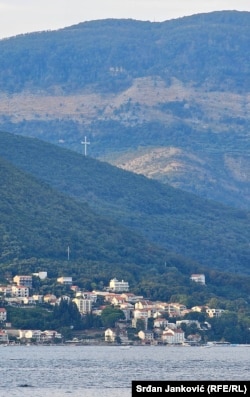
pixel 127 49
pixel 207 232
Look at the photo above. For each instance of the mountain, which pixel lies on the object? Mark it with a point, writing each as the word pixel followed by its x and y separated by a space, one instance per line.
pixel 38 225
pixel 169 100
pixel 37 221
pixel 206 232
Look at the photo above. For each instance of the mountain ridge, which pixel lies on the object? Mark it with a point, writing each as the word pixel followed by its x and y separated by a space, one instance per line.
pixel 40 226
pixel 136 87
pixel 203 231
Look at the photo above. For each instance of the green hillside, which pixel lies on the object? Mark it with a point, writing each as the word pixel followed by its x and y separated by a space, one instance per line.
pixel 168 100
pixel 38 221
pixel 37 224
pixel 208 49
pixel 209 233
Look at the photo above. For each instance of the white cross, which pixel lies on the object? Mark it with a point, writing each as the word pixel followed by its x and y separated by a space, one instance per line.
pixel 85 143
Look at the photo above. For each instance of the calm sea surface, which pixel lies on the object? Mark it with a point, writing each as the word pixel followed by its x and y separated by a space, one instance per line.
pixel 107 371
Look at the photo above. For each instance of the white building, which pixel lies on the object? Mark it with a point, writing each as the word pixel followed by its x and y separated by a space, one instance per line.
pixel 110 335
pixel 87 295
pixel 30 334
pixel 215 312
pixel 25 281
pixel 84 305
pixel 173 336
pixel 198 278
pixel 65 280
pixel 118 286
pixel 131 298
pixel 146 336
pixel 41 275
pixel 20 291
pixel 160 322
pixel 37 298
pixel 29 301
pixel 48 336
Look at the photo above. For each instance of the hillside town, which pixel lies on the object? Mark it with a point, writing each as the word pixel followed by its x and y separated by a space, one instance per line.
pixel 152 322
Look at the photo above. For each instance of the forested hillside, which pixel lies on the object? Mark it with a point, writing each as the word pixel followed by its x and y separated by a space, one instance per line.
pixel 209 233
pixel 38 224
pixel 208 49
pixel 169 100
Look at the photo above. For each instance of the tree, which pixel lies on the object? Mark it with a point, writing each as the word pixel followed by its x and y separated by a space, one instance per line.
pixel 110 315
pixel 140 325
pixel 66 314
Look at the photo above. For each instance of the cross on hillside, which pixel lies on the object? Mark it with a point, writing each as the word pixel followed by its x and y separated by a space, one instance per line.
pixel 85 143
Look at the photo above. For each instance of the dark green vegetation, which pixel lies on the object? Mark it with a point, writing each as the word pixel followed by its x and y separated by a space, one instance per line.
pixel 214 235
pixel 57 198
pixel 133 87
pixel 208 49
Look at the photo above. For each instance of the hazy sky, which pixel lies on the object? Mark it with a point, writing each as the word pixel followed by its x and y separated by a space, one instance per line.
pixel 23 16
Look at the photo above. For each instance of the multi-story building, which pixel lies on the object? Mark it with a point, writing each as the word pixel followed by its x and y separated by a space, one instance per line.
pixel 25 281
pixel 146 336
pixel 176 309
pixel 30 334
pixel 20 291
pixel 118 286
pixel 215 312
pixel 84 305
pixel 173 336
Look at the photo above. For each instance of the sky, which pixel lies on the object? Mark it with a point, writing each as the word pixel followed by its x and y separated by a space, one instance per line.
pixel 25 16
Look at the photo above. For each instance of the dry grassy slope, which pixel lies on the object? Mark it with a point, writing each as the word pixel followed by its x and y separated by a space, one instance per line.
pixel 144 96
pixel 140 103
pixel 185 170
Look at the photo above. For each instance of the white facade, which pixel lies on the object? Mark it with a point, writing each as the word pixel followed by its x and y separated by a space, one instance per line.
pixel 198 278
pixel 215 312
pixel 118 286
pixel 19 291
pixel 48 336
pixel 173 336
pixel 83 305
pixel 146 336
pixel 26 281
pixel 160 322
pixel 65 280
pixel 41 275
pixel 29 301
pixel 30 334
pixel 110 335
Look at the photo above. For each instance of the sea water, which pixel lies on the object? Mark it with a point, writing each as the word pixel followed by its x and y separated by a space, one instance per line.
pixel 107 371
